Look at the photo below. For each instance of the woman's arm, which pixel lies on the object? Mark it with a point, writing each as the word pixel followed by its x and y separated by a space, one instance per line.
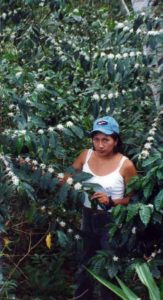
pixel 77 165
pixel 79 161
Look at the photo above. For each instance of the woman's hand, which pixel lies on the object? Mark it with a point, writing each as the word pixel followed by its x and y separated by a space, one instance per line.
pixel 101 197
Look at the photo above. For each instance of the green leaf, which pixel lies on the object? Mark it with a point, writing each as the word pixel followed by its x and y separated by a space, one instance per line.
pixel 145 213
pixel 62 238
pixel 78 131
pixel 115 289
pixel 146 278
pixel 31 213
pixel 158 201
pixel 63 192
pixel 132 211
pixel 19 144
pixel 150 160
pixel 28 189
pixel 147 191
pixel 128 292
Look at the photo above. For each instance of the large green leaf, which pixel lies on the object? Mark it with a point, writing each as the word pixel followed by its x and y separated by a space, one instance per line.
pixel 158 201
pixel 110 286
pixel 132 211
pixel 128 292
pixel 146 278
pixel 145 213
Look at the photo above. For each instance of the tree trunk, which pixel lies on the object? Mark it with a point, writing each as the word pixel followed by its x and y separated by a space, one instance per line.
pixel 124 9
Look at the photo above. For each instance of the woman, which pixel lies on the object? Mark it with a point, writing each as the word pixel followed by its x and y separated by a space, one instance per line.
pixel 112 171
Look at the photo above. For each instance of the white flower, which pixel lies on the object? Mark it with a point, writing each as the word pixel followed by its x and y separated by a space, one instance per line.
pixel 27 159
pixel 62 224
pixel 11 106
pixel 50 170
pixel 147 146
pixel 159 251
pixel 60 127
pixel 77 186
pixel 95 96
pixel 15 180
pixel 4 15
pixel 69 230
pixel 69 180
pixel 138 53
pixel 43 166
pixel 132 54
pixel 103 96
pixel 60 175
pixel 10 173
pixel 110 95
pixel 153 254
pixel 23 132
pixel 136 66
pixel 154 124
pixel 133 230
pixel 119 25
pixel 138 31
pixel 144 154
pixel 43 208
pixel 18 74
pixel 50 129
pixel 110 55
pixel 35 162
pixel 40 87
pixel 125 55
pixel 118 56
pixel 77 237
pixel 131 30
pixel 103 54
pixel 150 205
pixel 116 94
pixel 123 92
pixel 40 131
pixel 152 131
pixel 150 138
pixel 49 212
pixel 115 258
pixel 10 114
pixel 126 28
pixel 69 124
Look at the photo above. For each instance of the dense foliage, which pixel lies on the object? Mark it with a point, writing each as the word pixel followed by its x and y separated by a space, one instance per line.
pixel 62 65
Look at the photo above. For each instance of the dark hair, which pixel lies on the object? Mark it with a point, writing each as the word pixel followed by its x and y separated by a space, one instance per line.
pixel 116 137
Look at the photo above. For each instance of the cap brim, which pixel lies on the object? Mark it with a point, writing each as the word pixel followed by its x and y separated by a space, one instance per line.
pixel 107 132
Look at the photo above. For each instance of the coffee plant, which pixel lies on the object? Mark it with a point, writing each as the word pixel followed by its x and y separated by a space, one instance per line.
pixel 63 64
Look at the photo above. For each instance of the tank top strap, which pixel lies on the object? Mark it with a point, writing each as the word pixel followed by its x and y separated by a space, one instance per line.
pixel 121 162
pixel 89 152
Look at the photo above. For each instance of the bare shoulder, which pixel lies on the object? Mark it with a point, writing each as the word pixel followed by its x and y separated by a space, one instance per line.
pixel 79 161
pixel 129 168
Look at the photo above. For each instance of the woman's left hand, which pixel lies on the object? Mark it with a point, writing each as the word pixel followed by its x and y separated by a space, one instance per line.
pixel 101 197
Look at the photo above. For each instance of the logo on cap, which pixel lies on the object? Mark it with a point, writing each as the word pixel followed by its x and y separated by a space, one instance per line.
pixel 102 123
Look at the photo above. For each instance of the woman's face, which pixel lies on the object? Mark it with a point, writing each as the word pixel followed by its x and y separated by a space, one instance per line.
pixel 104 144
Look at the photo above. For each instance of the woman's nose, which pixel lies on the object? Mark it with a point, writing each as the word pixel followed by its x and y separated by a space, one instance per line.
pixel 101 144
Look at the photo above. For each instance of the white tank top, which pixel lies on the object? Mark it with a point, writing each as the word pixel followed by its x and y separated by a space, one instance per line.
pixel 112 183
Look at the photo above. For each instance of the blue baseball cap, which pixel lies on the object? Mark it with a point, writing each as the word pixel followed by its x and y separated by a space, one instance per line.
pixel 107 125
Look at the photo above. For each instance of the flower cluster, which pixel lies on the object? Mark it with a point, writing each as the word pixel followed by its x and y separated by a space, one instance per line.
pixel 121 55
pixel 14 179
pixel 16 133
pixel 155 32
pixel 150 139
pixel 77 186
